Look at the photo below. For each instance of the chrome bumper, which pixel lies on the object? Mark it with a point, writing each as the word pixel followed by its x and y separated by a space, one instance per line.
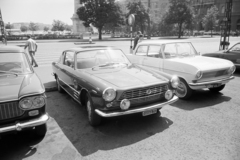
pixel 26 124
pixel 225 80
pixel 138 110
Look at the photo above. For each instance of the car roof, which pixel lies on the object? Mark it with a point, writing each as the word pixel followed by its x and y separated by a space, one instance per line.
pixel 84 48
pixel 162 41
pixel 11 49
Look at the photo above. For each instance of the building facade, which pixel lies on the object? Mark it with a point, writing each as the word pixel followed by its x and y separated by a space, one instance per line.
pixel 203 5
pixel 78 27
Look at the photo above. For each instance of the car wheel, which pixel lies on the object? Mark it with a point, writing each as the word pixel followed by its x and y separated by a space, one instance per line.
pixel 217 89
pixel 41 130
pixel 59 88
pixel 183 91
pixel 93 118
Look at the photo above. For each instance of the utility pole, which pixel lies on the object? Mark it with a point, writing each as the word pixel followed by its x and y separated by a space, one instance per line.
pixel 226 26
pixel 148 28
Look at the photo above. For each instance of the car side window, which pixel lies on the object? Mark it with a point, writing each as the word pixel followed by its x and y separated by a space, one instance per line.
pixel 170 50
pixel 154 51
pixel 142 50
pixel 69 59
pixel 235 48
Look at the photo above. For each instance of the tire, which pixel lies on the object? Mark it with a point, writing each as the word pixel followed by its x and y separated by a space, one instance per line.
pixel 93 118
pixel 217 89
pixel 41 130
pixel 59 88
pixel 184 91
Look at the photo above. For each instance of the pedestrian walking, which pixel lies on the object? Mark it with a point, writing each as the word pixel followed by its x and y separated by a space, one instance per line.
pixel 32 49
pixel 136 39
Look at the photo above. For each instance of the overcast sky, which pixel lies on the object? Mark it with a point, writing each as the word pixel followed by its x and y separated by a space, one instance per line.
pixel 37 11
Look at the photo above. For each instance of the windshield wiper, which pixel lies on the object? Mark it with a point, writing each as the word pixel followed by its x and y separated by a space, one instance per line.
pixel 7 72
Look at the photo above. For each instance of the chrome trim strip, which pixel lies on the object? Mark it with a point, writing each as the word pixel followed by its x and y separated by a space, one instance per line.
pixel 132 111
pixel 26 124
pixel 69 86
pixel 206 83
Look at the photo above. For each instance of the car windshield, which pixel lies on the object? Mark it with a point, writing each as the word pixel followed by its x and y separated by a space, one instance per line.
pixel 13 63
pixel 173 50
pixel 101 58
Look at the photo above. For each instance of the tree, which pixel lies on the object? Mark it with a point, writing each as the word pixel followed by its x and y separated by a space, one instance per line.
pixel 24 28
pixel 58 25
pixel 210 20
pixel 141 15
pixel 68 27
pixel 46 29
pixel 33 27
pixel 179 13
pixel 99 13
pixel 8 26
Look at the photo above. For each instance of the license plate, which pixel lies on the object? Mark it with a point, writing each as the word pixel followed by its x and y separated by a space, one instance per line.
pixel 146 113
pixel 214 85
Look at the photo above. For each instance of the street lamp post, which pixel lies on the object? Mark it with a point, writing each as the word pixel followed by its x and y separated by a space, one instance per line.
pixel 149 34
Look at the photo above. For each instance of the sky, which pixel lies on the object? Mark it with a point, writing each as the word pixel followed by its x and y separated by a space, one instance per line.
pixel 37 11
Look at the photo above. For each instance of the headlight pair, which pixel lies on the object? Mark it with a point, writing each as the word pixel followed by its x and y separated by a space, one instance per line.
pixel 109 94
pixel 199 74
pixel 32 102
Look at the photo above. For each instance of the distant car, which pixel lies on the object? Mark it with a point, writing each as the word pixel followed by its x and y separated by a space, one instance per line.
pixel 104 81
pixel 180 58
pixel 22 95
pixel 232 54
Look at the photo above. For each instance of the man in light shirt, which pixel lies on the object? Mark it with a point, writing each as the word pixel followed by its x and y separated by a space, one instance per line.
pixel 32 48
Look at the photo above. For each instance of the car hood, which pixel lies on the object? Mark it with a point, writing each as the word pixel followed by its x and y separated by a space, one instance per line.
pixel 202 63
pixel 13 87
pixel 127 76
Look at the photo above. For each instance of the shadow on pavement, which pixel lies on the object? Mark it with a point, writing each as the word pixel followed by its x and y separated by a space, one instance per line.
pixel 237 73
pixel 20 145
pixel 201 99
pixel 112 133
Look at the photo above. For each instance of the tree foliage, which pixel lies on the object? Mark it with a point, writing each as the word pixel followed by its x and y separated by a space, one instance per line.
pixel 58 25
pixel 8 26
pixel 46 28
pixel 179 13
pixel 100 13
pixel 24 28
pixel 210 20
pixel 141 15
pixel 33 27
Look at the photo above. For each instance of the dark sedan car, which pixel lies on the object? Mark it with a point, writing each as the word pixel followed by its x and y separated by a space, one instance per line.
pixel 232 54
pixel 22 95
pixel 104 81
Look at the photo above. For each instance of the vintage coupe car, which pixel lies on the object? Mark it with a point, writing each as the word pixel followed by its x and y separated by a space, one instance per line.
pixel 232 54
pixel 180 58
pixel 104 81
pixel 22 95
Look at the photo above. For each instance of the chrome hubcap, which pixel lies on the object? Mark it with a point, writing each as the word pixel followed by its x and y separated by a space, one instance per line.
pixel 181 90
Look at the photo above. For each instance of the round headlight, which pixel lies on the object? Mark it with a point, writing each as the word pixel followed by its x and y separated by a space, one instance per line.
pixel 109 94
pixel 199 74
pixel 26 103
pixel 125 104
pixel 168 95
pixel 38 102
pixel 232 70
pixel 175 81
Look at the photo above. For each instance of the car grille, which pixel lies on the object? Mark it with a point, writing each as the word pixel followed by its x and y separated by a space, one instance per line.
pixel 10 110
pixel 144 94
pixel 219 73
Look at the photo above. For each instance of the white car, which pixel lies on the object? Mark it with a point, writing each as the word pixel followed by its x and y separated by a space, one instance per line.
pixel 180 58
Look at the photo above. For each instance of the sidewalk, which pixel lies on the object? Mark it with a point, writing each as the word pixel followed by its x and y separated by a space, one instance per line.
pixel 48 80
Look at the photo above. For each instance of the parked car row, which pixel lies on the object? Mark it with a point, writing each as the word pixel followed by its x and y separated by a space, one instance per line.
pixel 108 82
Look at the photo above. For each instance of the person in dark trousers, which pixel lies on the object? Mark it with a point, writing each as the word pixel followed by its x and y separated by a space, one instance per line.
pixel 32 48
pixel 136 39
